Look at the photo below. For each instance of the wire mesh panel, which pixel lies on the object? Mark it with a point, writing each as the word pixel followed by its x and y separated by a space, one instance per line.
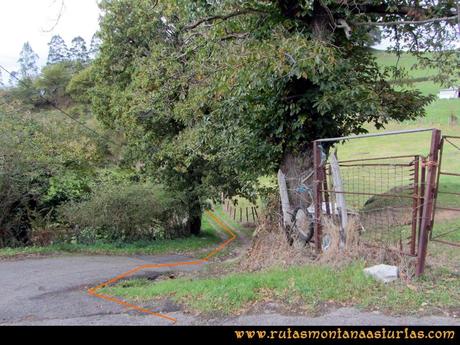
pixel 447 214
pixel 382 198
pixel 389 199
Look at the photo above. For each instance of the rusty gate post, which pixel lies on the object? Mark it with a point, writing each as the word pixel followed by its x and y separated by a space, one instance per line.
pixel 441 150
pixel 415 205
pixel 326 193
pixel 422 198
pixel 433 161
pixel 317 194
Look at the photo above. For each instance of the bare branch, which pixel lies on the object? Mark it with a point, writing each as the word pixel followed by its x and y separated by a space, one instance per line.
pixel 382 9
pixel 239 12
pixel 235 35
pixel 407 22
pixel 58 18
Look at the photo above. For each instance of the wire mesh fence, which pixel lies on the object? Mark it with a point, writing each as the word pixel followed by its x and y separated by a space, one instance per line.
pixel 389 199
pixel 447 204
pixel 381 196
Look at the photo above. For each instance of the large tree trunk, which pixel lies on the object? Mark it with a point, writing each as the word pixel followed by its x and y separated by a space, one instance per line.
pixel 320 21
pixel 194 178
pixel 194 220
pixel 295 179
pixel 298 170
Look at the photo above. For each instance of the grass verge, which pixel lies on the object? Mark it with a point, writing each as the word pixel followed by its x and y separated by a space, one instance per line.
pixel 305 288
pixel 245 231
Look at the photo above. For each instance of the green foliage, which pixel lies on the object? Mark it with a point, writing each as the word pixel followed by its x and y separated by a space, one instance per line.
pixel 48 87
pixel 68 186
pixel 45 160
pixel 209 106
pixel 58 51
pixel 126 212
pixel 78 111
pixel 79 87
pixel 114 176
pixel 28 62
pixel 187 245
pixel 78 51
pixel 27 94
pixel 53 81
pixel 48 138
pixel 22 185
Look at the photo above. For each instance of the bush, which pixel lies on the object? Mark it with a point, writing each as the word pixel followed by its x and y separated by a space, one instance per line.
pixel 79 111
pixel 21 185
pixel 79 87
pixel 69 186
pixel 125 212
pixel 11 212
pixel 46 160
pixel 115 176
pixel 53 81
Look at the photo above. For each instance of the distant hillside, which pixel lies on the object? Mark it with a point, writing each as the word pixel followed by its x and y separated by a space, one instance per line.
pixel 440 110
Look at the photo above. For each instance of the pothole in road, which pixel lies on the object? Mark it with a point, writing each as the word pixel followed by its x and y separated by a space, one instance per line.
pixel 166 306
pixel 161 305
pixel 148 277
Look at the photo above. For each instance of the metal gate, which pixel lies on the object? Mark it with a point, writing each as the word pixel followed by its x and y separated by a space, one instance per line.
pixel 447 196
pixel 409 181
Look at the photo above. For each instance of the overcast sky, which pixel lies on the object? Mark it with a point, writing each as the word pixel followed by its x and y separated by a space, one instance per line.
pixel 31 20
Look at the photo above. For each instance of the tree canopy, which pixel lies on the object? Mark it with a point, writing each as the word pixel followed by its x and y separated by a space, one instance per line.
pixel 214 94
pixel 94 46
pixel 58 51
pixel 78 51
pixel 28 60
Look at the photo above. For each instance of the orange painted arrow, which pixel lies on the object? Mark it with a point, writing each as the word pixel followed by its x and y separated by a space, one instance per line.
pixel 94 291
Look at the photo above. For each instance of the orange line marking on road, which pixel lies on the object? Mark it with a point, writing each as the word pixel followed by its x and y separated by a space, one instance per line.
pixel 93 291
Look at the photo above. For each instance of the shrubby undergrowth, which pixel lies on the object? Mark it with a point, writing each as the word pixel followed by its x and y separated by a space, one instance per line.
pixel 126 212
pixel 61 184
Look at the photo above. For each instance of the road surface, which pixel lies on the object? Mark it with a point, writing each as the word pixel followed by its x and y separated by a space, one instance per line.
pixel 52 291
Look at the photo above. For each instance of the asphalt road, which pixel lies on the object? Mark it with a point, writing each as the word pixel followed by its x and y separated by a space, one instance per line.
pixel 52 291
